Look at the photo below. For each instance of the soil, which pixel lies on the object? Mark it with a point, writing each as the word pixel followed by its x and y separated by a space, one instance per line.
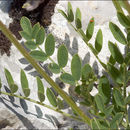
pixel 42 15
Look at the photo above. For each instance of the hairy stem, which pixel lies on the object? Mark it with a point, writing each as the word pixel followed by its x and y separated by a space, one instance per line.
pixel 43 73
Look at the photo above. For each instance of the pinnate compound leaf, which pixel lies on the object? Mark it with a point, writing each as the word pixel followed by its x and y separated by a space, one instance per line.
pixel 99 102
pixel 118 98
pixel 76 67
pixel 26 25
pixel 12 85
pixel 25 35
pixel 70 13
pixel 35 30
pixel 117 33
pixel 9 77
pixel 116 120
pixel 90 29
pixel 115 52
pixel 123 19
pixel 54 68
pixel 99 41
pixel 63 14
pixel 38 55
pixel 24 83
pixel 115 73
pixel 40 36
pixel 31 45
pixel 108 110
pixel 40 86
pixel 78 19
pixel 104 89
pixel 50 45
pixel 67 78
pixel 112 60
pixel 51 97
pixel 62 56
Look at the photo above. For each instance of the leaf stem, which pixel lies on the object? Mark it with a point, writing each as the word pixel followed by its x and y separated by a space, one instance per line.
pixel 42 104
pixel 9 35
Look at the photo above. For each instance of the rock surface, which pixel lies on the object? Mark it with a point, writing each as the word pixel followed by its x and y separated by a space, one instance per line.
pixel 16 113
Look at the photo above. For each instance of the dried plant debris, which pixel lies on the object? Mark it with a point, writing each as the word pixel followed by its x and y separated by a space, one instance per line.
pixel 41 14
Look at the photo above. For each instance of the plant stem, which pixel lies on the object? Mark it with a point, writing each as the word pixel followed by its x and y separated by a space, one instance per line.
pixel 42 104
pixel 72 104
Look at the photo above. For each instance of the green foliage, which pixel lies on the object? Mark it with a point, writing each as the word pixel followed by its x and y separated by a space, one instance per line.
pixel 117 33
pixel 49 45
pixel 38 55
pixel 90 29
pixel 41 95
pixel 24 83
pixel 109 106
pixel 99 41
pixel 78 19
pixel 67 78
pixel 62 56
pixel 12 85
pixel 76 67
pixel 51 97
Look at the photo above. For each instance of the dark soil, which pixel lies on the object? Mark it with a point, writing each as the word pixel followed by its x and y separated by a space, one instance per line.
pixel 42 15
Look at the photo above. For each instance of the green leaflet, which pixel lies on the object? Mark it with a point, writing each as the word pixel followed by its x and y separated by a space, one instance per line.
pixel 54 68
pixel 51 97
pixel 76 67
pixel 38 55
pixel 26 25
pixel 9 78
pixel 108 110
pixel 118 98
pixel 50 45
pixel 63 14
pixel 35 30
pixel 86 72
pixel 67 78
pixel 30 45
pixel 123 20
pixel 90 29
pixel 115 52
pixel 99 102
pixel 70 13
pixel 24 83
pixel 78 19
pixel 62 56
pixel 127 58
pixel 127 99
pixel 114 124
pixel 104 89
pixel 40 36
pixel 115 73
pixel 99 41
pixel 117 33
pixel 25 35
pixel 112 60
pixel 40 86
pixel 94 125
